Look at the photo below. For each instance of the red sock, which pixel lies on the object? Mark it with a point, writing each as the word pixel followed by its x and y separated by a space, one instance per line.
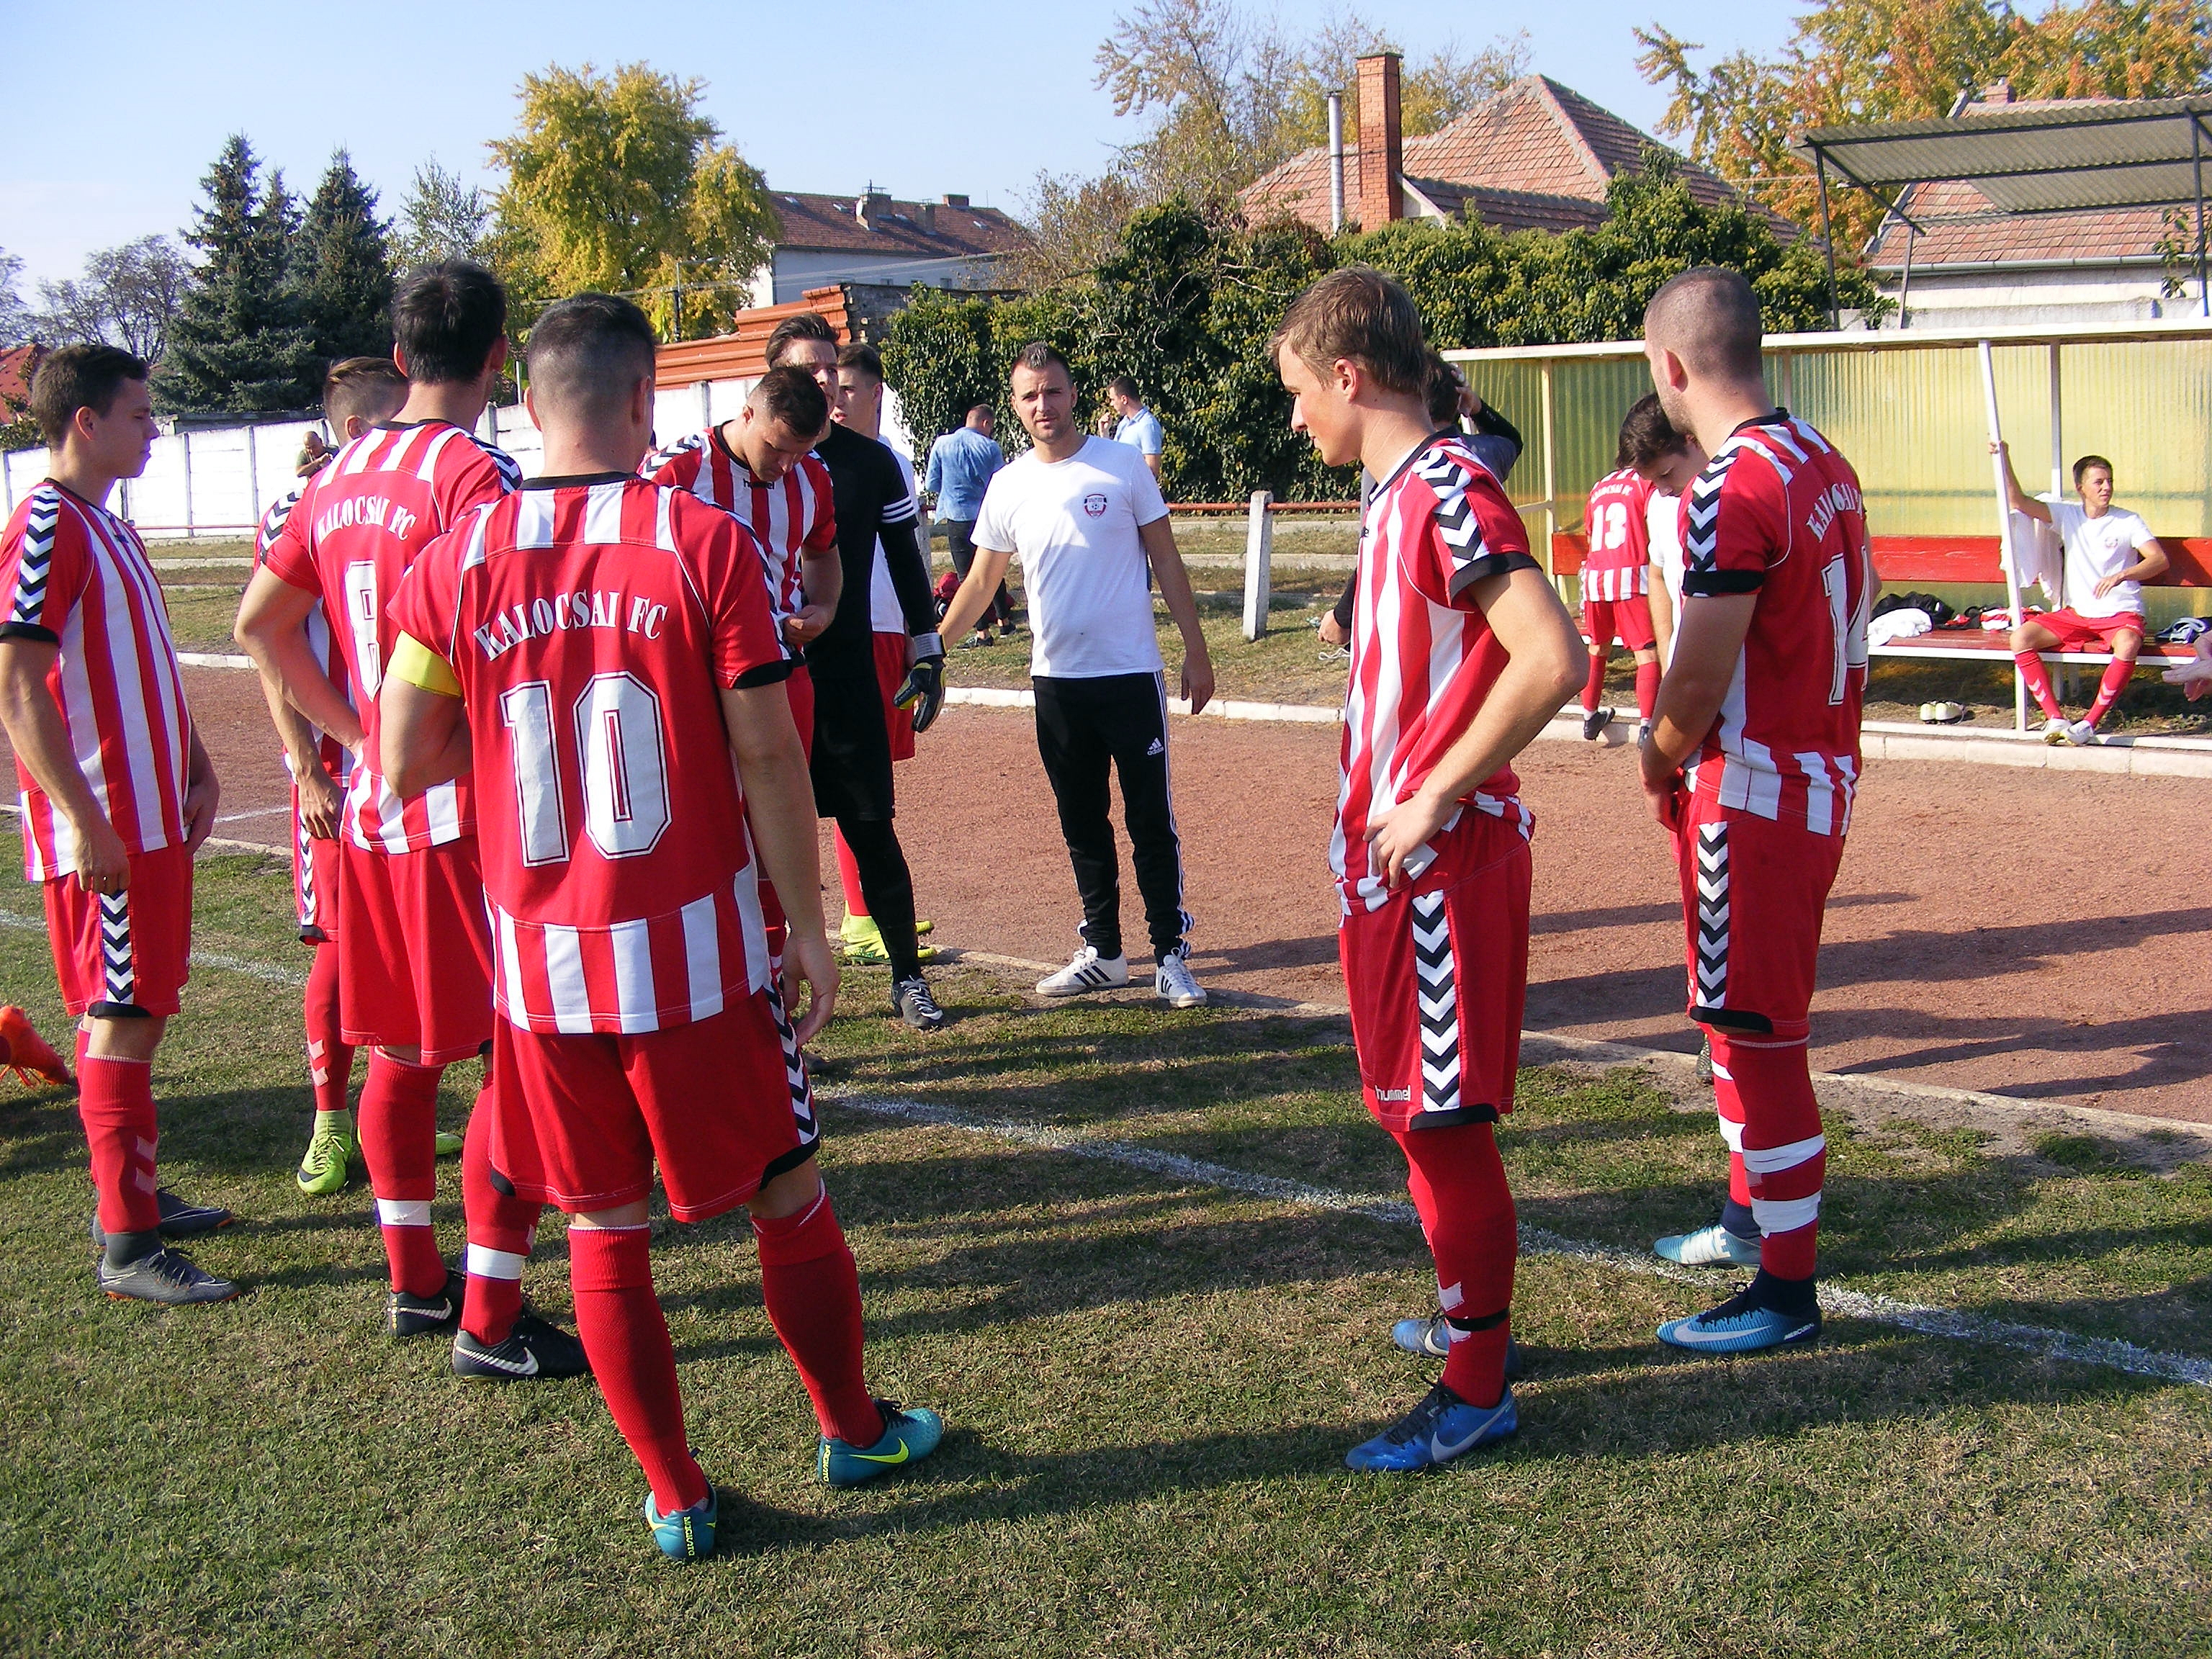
pixel 1594 687
pixel 1466 1208
pixel 500 1228
pixel 848 875
pixel 115 1102
pixel 1647 690
pixel 813 1296
pixel 2037 677
pixel 399 1121
pixel 2117 675
pixel 619 1321
pixel 1784 1155
pixel 330 1057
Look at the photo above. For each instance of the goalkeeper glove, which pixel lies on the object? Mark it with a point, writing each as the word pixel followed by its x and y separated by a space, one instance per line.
pixel 924 690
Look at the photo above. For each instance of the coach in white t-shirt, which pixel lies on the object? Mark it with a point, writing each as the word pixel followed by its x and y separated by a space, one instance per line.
pixel 2110 554
pixel 1086 517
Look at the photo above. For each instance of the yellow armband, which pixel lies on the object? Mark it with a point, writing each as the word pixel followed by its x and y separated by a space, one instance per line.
pixel 415 663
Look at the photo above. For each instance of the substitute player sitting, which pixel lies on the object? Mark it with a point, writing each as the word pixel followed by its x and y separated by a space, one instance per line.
pixel 594 642
pixel 117 793
pixel 1615 582
pixel 1460 654
pixel 1761 702
pixel 2109 554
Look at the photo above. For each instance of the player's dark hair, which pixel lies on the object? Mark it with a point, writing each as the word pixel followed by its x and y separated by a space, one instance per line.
pixel 1125 387
pixel 802 325
pixel 2080 467
pixel 1443 392
pixel 1360 315
pixel 446 319
pixel 78 377
pixel 587 354
pixel 1709 318
pixel 793 398
pixel 864 358
pixel 372 387
pixel 1647 436
pixel 1037 356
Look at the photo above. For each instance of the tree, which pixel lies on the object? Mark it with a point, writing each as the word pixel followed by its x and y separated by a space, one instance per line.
pixel 17 323
pixel 442 218
pixel 341 268
pixel 128 296
pixel 1433 91
pixel 617 183
pixel 238 343
pixel 1886 60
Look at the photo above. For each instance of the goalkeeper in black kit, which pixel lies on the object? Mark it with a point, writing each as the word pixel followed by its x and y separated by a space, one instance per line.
pixel 852 758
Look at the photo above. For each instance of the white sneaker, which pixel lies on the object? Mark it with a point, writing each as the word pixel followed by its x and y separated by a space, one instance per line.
pixel 2054 732
pixel 2081 733
pixel 1087 971
pixel 1172 980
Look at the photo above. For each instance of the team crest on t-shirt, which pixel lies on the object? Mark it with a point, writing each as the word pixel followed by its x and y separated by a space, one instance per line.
pixel 1095 504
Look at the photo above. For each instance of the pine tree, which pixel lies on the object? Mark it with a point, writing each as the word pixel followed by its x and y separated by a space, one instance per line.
pixel 239 343
pixel 342 267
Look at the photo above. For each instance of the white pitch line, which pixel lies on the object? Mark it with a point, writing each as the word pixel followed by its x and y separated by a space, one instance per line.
pixel 1536 1241
pixel 267 973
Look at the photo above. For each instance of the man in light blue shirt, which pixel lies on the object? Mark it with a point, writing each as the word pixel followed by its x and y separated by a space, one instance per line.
pixel 1138 427
pixel 960 467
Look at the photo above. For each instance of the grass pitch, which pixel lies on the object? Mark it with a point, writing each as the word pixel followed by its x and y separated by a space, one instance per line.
pixel 1149 1381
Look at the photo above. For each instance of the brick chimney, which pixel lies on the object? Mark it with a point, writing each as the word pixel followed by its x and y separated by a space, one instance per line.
pixel 1997 92
pixel 1382 147
pixel 871 206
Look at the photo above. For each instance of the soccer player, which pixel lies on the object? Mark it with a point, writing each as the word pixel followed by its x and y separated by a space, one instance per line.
pixel 358 393
pixel 2109 554
pixel 598 639
pixel 1460 652
pixel 859 405
pixel 1761 705
pixel 1086 516
pixel 117 793
pixel 1615 582
pixel 414 950
pixel 1669 461
pixel 850 761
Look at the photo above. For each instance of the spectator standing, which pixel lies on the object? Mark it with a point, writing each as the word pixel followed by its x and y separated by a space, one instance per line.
pixel 960 467
pixel 1135 425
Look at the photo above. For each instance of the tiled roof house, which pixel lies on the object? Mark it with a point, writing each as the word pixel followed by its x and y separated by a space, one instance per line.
pixel 1534 157
pixel 872 237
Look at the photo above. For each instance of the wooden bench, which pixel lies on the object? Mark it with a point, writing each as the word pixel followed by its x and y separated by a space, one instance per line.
pixel 1905 562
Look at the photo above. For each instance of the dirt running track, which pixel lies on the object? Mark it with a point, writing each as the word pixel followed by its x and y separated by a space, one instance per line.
pixel 2037 934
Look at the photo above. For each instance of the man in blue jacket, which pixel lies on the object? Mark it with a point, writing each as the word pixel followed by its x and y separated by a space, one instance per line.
pixel 960 465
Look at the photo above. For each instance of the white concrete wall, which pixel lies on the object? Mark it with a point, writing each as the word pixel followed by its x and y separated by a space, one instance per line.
pixel 797 270
pixel 1981 299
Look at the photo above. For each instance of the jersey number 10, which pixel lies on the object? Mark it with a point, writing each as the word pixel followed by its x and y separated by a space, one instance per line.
pixel 617 729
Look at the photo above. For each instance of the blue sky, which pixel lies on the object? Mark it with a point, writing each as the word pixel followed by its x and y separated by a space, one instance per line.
pixel 974 95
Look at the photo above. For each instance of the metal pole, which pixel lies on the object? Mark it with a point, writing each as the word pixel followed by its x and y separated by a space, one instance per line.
pixel 1335 163
pixel 1904 287
pixel 186 439
pixel 2196 171
pixel 2057 441
pixel 1551 475
pixel 1828 236
pixel 252 477
pixel 1259 561
pixel 2004 525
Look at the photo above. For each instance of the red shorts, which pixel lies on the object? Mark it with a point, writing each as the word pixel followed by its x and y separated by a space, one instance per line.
pixel 2076 632
pixel 890 675
pixel 1754 891
pixel 799 688
pixel 128 953
pixel 721 1104
pixel 1438 978
pixel 415 968
pixel 314 881
pixel 1627 620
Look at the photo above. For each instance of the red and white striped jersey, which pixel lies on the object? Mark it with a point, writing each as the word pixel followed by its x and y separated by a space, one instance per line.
pixel 1620 546
pixel 1422 656
pixel 74 574
pixel 590 625
pixel 337 759
pixel 790 518
pixel 359 523
pixel 1777 513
